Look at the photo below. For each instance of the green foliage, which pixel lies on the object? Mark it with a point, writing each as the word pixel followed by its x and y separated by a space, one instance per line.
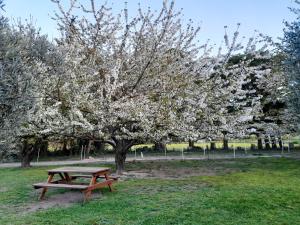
pixel 254 61
pixel 291 49
pixel 261 191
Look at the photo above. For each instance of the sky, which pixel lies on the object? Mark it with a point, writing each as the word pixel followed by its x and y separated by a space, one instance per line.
pixel 266 16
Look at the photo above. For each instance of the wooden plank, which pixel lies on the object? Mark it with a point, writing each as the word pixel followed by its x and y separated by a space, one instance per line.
pixel 90 176
pixel 81 176
pixel 99 185
pixel 53 185
pixel 55 182
pixel 77 169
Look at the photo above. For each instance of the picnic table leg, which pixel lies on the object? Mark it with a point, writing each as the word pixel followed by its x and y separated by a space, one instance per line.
pixel 87 194
pixel 50 177
pixel 109 185
pixel 68 178
pixel 62 177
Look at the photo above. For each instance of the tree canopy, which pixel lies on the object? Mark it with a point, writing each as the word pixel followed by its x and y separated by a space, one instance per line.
pixel 128 80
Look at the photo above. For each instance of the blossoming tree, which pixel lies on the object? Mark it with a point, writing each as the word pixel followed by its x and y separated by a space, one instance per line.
pixel 25 59
pixel 126 78
pixel 291 50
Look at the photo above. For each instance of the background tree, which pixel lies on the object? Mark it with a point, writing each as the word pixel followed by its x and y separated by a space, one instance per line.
pixel 231 99
pixel 25 58
pixel 291 49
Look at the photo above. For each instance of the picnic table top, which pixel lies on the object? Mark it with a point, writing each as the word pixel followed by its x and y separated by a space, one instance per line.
pixel 77 169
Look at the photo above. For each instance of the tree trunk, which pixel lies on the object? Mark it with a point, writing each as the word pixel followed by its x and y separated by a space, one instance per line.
pixel 28 151
pixel 72 144
pixel 291 146
pixel 44 149
pixel 191 144
pixel 26 159
pixel 212 146
pixel 280 142
pixel 160 146
pixel 259 144
pixel 267 143
pixel 121 148
pixel 75 146
pixel 25 154
pixel 120 161
pixel 64 149
pixel 273 141
pixel 90 142
pixel 225 144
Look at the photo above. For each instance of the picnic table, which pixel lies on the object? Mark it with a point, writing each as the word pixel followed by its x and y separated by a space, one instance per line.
pixel 98 177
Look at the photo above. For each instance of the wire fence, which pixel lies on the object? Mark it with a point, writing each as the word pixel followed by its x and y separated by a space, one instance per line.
pixel 211 154
pixel 182 151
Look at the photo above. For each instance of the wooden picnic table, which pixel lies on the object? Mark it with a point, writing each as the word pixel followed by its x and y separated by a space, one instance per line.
pixel 98 178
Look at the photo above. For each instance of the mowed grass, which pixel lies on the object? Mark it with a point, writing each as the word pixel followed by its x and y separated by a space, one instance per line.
pixel 255 191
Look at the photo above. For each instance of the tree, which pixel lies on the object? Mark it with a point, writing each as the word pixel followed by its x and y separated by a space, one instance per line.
pixel 231 100
pixel 291 50
pixel 146 79
pixel 25 59
pixel 272 118
pixel 275 118
pixel 126 78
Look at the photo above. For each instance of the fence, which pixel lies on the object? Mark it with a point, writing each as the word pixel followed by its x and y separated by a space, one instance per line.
pixel 203 151
pixel 236 149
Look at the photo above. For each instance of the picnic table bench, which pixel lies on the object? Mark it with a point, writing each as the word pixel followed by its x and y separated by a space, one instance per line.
pixel 99 177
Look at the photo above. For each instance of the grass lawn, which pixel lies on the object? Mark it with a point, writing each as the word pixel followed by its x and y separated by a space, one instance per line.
pixel 242 191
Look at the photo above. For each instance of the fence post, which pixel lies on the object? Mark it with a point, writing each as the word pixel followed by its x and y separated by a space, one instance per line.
pixel 81 152
pixel 291 144
pixel 84 149
pixel 208 153
pixel 234 153
pixel 165 152
pixel 38 156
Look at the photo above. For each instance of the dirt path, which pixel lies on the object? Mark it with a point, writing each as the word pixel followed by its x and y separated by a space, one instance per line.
pixel 146 158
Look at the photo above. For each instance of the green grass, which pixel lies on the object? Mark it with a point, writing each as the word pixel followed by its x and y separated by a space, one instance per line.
pixel 219 145
pixel 256 191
